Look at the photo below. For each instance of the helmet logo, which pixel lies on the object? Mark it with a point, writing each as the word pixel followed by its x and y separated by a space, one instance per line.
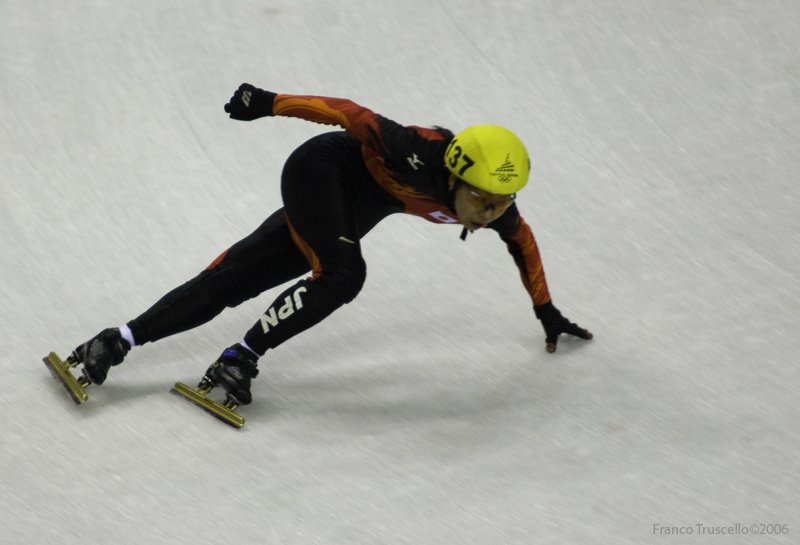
pixel 505 172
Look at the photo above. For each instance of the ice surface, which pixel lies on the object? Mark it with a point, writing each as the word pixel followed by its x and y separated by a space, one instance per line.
pixel 665 198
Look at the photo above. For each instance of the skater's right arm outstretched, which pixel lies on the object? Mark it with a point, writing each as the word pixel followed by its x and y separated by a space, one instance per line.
pixel 371 129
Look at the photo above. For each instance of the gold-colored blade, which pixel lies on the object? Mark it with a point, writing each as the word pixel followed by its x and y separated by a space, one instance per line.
pixel 60 370
pixel 215 408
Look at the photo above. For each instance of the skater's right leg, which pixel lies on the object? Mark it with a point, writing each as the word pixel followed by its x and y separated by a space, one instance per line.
pixel 99 353
pixel 264 259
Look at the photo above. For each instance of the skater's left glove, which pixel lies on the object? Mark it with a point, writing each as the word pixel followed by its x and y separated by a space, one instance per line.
pixel 555 324
pixel 249 102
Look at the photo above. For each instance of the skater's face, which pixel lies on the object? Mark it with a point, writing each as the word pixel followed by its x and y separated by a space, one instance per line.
pixel 477 208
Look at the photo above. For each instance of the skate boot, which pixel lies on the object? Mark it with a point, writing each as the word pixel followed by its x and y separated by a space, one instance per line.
pixel 99 353
pixel 233 370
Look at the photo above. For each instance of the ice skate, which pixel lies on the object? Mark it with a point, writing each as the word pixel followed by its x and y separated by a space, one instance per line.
pixel 62 372
pixel 233 371
pixel 97 355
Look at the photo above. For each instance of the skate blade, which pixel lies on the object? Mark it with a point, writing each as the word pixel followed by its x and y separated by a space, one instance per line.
pixel 215 408
pixel 60 371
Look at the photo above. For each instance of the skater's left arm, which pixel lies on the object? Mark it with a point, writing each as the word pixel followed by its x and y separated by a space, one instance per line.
pixel 521 244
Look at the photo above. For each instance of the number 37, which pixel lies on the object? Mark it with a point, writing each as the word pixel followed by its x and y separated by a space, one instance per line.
pixel 459 155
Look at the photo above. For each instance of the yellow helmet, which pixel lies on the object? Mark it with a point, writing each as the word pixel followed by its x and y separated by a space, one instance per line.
pixel 490 158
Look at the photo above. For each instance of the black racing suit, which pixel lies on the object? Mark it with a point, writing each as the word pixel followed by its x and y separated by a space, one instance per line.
pixel 335 188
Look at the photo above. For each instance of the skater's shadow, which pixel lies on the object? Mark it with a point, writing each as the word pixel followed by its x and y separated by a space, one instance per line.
pixel 118 393
pixel 390 396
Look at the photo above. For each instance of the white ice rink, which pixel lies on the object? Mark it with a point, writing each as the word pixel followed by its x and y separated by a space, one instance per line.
pixel 665 138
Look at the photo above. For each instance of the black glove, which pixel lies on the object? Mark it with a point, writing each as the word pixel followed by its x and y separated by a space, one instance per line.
pixel 555 324
pixel 249 103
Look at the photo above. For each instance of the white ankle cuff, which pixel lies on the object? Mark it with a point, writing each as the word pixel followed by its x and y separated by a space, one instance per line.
pixel 127 334
pixel 246 346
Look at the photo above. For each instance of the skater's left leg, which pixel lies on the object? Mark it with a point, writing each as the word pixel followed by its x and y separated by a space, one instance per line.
pixel 318 200
pixel 326 227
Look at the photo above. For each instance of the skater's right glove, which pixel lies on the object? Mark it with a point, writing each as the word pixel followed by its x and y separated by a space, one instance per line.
pixel 249 103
